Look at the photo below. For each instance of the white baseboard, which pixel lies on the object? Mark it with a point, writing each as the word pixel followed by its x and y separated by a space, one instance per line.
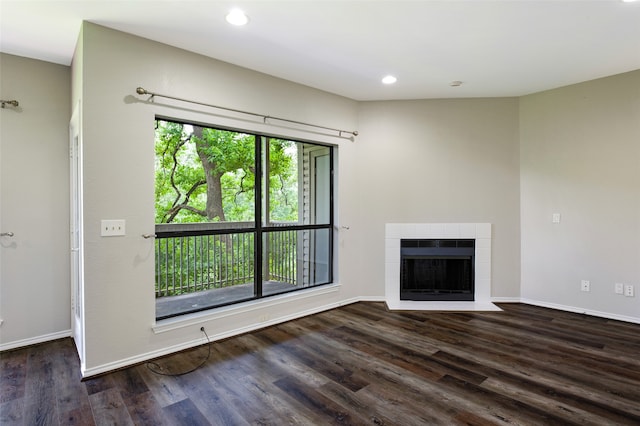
pixel 505 299
pixel 35 340
pixel 577 310
pixel 366 299
pixel 566 308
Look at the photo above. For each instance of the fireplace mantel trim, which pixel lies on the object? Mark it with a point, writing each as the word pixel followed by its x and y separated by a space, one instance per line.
pixel 481 232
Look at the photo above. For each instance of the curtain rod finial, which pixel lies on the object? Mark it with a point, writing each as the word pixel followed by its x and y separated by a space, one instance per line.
pixel 141 91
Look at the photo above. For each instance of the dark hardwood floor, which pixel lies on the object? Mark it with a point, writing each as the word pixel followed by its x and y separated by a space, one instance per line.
pixel 358 364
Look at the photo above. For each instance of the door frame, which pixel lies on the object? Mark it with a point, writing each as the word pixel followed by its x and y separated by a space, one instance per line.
pixel 76 233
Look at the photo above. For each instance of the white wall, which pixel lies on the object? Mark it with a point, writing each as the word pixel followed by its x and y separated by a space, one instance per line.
pixel 580 157
pixel 34 202
pixel 118 133
pixel 436 161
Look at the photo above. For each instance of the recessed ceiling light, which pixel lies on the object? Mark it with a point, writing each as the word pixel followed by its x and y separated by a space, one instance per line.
pixel 389 79
pixel 237 17
pixel 629 1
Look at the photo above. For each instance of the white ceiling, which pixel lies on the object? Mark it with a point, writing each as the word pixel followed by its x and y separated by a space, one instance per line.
pixel 496 48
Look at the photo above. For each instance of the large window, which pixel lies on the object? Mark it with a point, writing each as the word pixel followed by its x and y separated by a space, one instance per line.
pixel 239 216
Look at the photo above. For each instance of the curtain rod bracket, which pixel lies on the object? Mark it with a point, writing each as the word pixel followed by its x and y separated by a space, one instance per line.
pixel 143 91
pixel 12 102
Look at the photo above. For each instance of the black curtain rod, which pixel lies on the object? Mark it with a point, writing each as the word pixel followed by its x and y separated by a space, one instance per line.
pixel 142 91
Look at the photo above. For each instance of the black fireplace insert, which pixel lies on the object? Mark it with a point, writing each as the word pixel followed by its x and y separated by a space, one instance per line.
pixel 437 269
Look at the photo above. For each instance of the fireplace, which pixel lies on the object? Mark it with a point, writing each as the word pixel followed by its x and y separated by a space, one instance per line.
pixel 437 269
pixel 480 233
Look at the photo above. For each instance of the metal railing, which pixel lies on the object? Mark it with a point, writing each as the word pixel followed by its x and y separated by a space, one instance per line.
pixel 192 263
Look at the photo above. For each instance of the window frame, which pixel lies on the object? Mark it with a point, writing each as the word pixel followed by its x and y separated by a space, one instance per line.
pixel 259 228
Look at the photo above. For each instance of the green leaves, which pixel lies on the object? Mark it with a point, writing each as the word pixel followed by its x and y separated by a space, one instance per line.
pixel 204 174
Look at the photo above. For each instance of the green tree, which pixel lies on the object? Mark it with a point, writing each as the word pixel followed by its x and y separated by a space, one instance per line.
pixel 223 152
pixel 205 174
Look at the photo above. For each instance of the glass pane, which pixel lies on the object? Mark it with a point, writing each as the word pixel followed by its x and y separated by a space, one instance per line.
pixel 197 272
pixel 298 184
pixel 294 260
pixel 281 252
pixel 203 174
pixel 318 267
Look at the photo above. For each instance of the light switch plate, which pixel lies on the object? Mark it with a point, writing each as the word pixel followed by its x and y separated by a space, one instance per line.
pixel 112 228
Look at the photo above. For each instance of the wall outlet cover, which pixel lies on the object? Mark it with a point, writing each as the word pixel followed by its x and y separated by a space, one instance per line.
pixel 628 290
pixel 585 285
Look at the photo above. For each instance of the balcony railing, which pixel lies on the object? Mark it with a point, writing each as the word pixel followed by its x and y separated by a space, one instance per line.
pixel 187 263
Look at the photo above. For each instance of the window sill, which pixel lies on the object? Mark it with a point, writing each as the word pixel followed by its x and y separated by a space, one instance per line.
pixel 189 320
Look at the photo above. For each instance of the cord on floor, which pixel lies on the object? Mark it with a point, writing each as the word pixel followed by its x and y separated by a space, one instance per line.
pixel 157 368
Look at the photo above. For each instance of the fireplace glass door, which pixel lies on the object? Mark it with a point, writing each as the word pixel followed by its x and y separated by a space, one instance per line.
pixel 437 270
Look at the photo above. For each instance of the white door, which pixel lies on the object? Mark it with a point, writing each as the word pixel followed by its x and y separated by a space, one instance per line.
pixel 75 221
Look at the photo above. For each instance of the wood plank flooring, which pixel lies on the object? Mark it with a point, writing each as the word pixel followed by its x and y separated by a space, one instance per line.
pixel 359 365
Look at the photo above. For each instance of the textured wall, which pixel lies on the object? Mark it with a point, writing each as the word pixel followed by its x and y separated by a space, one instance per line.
pixel 34 201
pixel 437 161
pixel 580 157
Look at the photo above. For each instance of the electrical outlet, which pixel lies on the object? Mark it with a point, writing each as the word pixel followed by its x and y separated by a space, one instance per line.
pixel 619 288
pixel 585 285
pixel 555 218
pixel 628 290
pixel 112 228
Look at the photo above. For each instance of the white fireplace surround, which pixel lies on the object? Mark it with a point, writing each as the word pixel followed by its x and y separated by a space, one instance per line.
pixel 481 232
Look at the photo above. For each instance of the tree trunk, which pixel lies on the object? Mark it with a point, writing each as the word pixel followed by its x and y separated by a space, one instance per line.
pixel 214 187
